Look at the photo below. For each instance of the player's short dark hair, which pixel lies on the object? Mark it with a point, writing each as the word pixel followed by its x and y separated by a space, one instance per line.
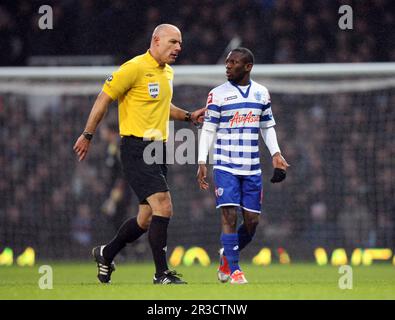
pixel 248 56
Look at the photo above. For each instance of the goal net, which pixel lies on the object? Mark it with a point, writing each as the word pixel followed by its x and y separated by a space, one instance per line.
pixel 335 126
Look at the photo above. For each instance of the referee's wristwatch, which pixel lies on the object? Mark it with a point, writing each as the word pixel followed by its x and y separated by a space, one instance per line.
pixel 188 116
pixel 87 135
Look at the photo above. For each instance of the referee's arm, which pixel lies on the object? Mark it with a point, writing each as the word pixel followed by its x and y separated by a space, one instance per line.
pixel 98 111
pixel 196 116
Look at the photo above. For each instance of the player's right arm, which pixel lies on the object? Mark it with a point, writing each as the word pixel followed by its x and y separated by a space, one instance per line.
pixel 210 125
pixel 206 140
pixel 98 111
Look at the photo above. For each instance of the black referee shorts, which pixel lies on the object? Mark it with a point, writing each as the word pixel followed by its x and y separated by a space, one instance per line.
pixel 145 179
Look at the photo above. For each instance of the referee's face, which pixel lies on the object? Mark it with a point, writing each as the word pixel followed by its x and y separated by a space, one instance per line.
pixel 170 46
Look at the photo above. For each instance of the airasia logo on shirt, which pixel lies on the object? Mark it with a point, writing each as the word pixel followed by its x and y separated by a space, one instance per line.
pixel 243 119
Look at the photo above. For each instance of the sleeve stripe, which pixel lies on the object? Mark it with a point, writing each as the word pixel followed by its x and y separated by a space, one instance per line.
pixel 213 107
pixel 266 118
pixel 212 120
pixel 266 106
pixel 214 114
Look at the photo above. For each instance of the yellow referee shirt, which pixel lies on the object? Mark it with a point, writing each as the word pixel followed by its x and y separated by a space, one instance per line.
pixel 144 90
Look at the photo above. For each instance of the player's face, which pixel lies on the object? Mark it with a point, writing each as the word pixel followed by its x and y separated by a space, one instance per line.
pixel 170 46
pixel 236 68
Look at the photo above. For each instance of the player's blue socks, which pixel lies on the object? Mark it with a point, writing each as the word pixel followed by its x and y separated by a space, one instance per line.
pixel 230 242
pixel 244 237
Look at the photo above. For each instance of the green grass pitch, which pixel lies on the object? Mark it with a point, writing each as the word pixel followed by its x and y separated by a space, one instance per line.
pixel 134 281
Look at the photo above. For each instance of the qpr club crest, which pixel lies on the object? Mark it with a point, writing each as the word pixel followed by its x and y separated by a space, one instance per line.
pixel 258 96
pixel 153 89
pixel 219 192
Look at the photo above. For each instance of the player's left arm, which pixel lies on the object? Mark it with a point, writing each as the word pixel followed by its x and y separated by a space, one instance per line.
pixel 269 136
pixel 196 116
pixel 280 165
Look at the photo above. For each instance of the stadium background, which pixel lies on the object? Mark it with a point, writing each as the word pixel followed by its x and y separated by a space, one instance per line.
pixel 340 188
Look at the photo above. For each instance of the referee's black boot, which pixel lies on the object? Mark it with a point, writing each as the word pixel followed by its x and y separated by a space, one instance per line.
pixel 104 268
pixel 169 277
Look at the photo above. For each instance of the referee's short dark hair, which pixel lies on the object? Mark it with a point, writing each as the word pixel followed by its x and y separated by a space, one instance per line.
pixel 248 56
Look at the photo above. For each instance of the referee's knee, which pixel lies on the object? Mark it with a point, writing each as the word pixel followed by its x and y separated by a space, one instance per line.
pixel 161 205
pixel 166 208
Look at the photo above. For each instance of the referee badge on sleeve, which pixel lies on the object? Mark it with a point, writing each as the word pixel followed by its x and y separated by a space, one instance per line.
pixel 153 89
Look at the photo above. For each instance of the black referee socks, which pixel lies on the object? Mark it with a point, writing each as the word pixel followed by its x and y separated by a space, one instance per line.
pixel 127 233
pixel 157 237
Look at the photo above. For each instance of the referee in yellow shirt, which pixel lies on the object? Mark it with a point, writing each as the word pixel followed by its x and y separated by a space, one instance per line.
pixel 143 87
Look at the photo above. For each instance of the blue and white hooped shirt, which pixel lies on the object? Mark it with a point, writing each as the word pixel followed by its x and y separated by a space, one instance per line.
pixel 236 114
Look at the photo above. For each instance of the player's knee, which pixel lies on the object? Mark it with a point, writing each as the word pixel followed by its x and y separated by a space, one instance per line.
pixel 229 221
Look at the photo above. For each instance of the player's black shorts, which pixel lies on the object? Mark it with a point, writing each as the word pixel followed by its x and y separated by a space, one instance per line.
pixel 144 178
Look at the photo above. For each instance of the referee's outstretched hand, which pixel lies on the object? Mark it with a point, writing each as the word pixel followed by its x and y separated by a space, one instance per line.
pixel 81 147
pixel 197 116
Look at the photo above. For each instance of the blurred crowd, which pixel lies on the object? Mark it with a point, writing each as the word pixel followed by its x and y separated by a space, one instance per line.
pixel 277 31
pixel 343 148
pixel 340 187
pixel 339 191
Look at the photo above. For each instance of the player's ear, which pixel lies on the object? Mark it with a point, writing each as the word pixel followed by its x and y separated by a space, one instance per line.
pixel 248 67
